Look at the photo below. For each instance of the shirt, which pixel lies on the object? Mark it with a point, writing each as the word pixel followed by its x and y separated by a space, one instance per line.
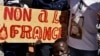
pixel 89 36
pixel 50 4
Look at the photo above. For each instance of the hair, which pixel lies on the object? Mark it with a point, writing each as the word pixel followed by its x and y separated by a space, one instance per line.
pixel 58 41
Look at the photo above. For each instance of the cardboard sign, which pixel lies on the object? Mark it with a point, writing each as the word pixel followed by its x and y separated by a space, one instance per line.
pixel 27 25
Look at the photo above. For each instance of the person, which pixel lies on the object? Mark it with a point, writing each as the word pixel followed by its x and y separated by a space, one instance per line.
pixel 60 48
pixel 44 48
pixel 15 49
pixel 82 34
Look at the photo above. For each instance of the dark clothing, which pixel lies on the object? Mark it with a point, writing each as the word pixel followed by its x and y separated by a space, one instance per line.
pixel 15 49
pixel 43 49
pixel 50 4
pixel 77 52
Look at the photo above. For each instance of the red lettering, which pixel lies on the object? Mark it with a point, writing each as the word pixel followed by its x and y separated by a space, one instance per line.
pixel 47 33
pixel 55 20
pixel 25 31
pixel 43 16
pixel 14 31
pixel 27 15
pixel 17 14
pixel 8 13
pixel 56 32
pixel 37 32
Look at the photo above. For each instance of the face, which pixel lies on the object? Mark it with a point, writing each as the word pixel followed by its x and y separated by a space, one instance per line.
pixel 60 49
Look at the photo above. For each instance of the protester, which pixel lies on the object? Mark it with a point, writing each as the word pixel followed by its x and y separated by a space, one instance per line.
pixel 44 48
pixel 60 48
pixel 82 38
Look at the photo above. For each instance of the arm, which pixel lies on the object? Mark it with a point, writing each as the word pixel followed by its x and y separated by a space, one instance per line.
pixel 64 20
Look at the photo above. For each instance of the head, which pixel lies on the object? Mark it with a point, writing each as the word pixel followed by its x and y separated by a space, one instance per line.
pixel 60 48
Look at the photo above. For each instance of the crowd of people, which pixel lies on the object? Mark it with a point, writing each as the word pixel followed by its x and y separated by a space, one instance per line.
pixel 79 32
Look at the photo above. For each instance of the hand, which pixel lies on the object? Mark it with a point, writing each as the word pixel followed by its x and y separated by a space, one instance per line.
pixel 31 49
